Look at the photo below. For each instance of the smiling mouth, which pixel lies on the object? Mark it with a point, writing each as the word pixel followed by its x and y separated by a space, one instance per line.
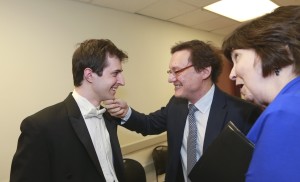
pixel 114 88
pixel 177 85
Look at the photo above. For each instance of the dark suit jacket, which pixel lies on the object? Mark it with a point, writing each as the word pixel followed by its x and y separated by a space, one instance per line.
pixel 55 146
pixel 172 119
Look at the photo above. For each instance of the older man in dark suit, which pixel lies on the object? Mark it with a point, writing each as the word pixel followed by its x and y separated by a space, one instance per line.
pixel 75 140
pixel 194 69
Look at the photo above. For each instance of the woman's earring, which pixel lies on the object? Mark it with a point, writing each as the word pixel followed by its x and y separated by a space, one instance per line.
pixel 277 71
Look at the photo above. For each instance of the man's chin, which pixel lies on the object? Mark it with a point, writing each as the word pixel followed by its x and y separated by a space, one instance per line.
pixel 113 93
pixel 112 97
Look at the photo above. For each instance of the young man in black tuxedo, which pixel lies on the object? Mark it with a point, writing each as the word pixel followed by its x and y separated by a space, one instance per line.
pixel 76 140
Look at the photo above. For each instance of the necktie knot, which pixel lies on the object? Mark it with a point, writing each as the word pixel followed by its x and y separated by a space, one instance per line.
pixel 192 109
pixel 95 113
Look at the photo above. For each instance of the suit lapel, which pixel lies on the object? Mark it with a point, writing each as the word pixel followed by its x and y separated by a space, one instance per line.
pixel 216 117
pixel 182 118
pixel 81 130
pixel 116 151
pixel 177 123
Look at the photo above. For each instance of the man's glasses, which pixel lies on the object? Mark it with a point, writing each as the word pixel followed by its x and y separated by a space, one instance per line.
pixel 178 72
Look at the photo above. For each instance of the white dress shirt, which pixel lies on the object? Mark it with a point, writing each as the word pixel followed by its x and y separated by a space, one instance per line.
pixel 100 137
pixel 203 106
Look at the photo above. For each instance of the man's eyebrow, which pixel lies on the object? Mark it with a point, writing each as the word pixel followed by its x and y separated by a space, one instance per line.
pixel 118 71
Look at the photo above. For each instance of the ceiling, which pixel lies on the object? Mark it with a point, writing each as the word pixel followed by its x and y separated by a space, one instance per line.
pixel 184 12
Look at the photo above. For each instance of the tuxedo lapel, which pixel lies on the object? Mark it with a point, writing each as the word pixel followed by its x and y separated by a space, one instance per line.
pixel 111 128
pixel 116 151
pixel 217 114
pixel 81 130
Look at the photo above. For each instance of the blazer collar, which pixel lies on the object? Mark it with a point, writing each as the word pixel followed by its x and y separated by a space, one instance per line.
pixel 216 117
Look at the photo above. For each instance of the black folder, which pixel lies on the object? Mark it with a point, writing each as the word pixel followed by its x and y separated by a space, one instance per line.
pixel 226 159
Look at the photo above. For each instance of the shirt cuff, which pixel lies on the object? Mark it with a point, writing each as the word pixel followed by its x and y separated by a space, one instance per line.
pixel 128 114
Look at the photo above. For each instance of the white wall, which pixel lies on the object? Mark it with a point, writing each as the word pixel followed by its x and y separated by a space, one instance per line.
pixel 37 40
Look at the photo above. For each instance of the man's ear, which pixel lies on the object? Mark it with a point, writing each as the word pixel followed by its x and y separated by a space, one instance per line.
pixel 88 75
pixel 206 72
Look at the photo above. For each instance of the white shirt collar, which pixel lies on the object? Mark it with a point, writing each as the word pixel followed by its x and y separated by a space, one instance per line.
pixel 84 105
pixel 204 103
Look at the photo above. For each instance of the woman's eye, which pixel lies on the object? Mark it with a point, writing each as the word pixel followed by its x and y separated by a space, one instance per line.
pixel 235 56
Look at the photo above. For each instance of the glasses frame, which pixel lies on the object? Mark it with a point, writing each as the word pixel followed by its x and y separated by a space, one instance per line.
pixel 178 72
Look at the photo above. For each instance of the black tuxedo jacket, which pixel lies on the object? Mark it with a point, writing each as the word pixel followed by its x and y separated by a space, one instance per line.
pixel 172 119
pixel 55 146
